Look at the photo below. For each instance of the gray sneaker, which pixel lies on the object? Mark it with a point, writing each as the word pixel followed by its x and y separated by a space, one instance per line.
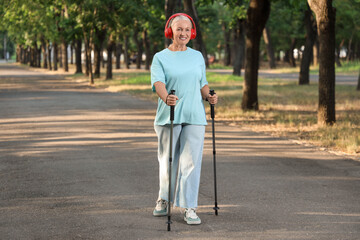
pixel 161 208
pixel 190 217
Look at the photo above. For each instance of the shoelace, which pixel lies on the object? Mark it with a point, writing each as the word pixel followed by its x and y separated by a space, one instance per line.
pixel 190 213
pixel 161 204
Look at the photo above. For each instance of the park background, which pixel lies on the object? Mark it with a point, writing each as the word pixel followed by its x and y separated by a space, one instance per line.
pixel 236 37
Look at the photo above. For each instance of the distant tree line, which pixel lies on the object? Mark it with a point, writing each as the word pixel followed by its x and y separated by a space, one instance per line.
pixel 238 33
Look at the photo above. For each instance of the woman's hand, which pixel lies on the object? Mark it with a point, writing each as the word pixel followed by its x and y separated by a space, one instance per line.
pixel 212 99
pixel 171 100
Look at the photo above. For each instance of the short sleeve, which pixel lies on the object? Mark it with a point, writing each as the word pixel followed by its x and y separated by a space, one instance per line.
pixel 157 72
pixel 203 80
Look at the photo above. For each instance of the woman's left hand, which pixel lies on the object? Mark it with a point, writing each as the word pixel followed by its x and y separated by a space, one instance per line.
pixel 212 99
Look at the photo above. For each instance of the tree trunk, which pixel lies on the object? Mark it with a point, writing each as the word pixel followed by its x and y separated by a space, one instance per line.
pixel 227 40
pixel 98 48
pixel 269 48
pixel 78 56
pixel 55 57
pixel 110 49
pixel 169 10
pixel 139 46
pixel 358 85
pixel 146 43
pixel 97 60
pixel 43 48
pixel 72 53
pixel 49 54
pixel 17 53
pixel 198 42
pixel 310 27
pixel 256 17
pixel 88 44
pixel 239 46
pixel 325 19
pixel 291 52
pixel 60 56
pixel 126 52
pixel 65 56
pixel 118 55
pixel 39 57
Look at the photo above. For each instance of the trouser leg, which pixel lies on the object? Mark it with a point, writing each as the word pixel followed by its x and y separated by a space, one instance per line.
pixel 191 150
pixel 163 133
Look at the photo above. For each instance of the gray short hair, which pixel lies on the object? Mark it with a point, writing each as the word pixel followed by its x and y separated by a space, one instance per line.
pixel 180 17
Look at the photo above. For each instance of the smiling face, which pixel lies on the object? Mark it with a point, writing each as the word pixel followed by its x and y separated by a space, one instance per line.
pixel 181 31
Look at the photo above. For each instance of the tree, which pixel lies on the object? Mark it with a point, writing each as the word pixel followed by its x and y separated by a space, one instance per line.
pixel 310 26
pixel 256 17
pixel 269 48
pixel 198 42
pixel 325 20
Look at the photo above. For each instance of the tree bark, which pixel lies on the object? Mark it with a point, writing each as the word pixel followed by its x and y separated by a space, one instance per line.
pixel 257 15
pixel 269 48
pixel 198 42
pixel 110 48
pixel 78 62
pixel 239 46
pixel 325 19
pixel 310 28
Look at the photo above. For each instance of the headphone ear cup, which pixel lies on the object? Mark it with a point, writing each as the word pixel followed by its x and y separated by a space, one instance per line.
pixel 168 33
pixel 193 34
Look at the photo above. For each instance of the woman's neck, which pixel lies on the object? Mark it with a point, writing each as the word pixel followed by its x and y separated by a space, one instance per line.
pixel 174 47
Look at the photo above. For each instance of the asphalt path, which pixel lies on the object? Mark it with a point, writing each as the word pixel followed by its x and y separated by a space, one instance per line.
pixel 80 163
pixel 340 79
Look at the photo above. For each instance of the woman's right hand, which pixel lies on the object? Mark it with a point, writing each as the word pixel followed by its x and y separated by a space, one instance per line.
pixel 171 100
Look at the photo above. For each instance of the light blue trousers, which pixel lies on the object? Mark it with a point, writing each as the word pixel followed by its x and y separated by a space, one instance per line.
pixel 188 142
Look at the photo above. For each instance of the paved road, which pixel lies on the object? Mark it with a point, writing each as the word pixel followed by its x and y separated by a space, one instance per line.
pixel 80 163
pixel 341 79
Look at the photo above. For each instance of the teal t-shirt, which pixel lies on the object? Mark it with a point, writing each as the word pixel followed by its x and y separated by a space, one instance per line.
pixel 184 72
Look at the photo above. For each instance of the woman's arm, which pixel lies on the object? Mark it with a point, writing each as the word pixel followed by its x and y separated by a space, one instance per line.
pixel 205 93
pixel 164 95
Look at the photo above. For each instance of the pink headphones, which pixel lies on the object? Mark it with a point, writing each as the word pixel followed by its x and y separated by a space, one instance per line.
pixel 168 32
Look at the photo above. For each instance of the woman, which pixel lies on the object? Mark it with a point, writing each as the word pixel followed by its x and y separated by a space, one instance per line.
pixel 180 68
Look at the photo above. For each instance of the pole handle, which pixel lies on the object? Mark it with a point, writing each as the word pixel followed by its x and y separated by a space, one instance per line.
pixel 212 92
pixel 172 108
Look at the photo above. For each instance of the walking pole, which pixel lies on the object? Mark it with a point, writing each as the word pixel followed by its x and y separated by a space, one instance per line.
pixel 212 92
pixel 172 108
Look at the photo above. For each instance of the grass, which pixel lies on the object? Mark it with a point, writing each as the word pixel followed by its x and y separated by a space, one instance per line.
pixel 351 68
pixel 286 109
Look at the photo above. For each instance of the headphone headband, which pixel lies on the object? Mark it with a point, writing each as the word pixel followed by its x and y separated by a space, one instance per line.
pixel 168 31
